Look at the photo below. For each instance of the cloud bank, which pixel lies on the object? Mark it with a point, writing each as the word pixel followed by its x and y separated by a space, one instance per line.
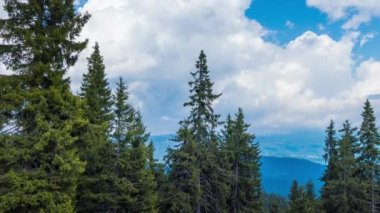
pixel 355 12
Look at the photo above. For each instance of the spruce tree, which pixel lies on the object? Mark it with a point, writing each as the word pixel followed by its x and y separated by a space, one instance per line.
pixel 330 173
pixel 243 156
pixel 369 156
pixel 296 199
pixel 139 169
pixel 40 163
pixel 346 191
pixel 302 199
pixel 310 198
pixel 97 186
pixel 96 92
pixel 123 114
pixel 195 172
pixel 123 118
pixel 182 188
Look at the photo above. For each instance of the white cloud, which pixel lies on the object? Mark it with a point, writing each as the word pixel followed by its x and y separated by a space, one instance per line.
pixel 155 43
pixel 289 24
pixel 366 38
pixel 355 12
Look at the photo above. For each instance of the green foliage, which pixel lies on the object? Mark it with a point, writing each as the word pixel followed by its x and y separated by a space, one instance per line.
pixel 302 199
pixel 369 155
pixel 195 171
pixel 139 168
pixel 49 43
pixel 345 192
pixel 96 92
pixel 39 159
pixel 243 158
pixel 331 158
pixel 97 185
pixel 273 203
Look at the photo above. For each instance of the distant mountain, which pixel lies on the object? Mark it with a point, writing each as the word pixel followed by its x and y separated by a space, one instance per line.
pixel 278 172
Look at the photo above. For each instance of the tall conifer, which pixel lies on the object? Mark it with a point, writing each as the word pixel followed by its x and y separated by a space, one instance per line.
pixel 96 91
pixel 346 192
pixel 369 156
pixel 195 160
pixel 330 174
pixel 39 43
pixel 97 186
pixel 243 156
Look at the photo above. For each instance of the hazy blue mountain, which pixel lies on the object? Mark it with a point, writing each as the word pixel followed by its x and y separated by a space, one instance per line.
pixel 305 145
pixel 286 157
pixel 278 173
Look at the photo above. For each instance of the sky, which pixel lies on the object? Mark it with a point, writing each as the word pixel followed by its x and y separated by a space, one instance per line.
pixel 291 65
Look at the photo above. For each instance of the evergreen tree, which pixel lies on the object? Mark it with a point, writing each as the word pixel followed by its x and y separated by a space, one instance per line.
pixel 99 182
pixel 40 163
pixel 369 156
pixel 274 203
pixel 244 160
pixel 330 173
pixel 139 168
pixel 310 198
pixel 123 114
pixel 182 192
pixel 195 172
pixel 296 199
pixel 96 92
pixel 302 198
pixel 123 118
pixel 346 192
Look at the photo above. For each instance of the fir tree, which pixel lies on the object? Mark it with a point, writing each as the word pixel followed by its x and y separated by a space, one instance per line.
pixel 123 114
pixel 369 156
pixel 244 160
pixel 96 92
pixel 194 162
pixel 330 173
pixel 346 192
pixel 99 182
pixel 310 198
pixel 41 169
pixel 182 192
pixel 139 168
pixel 123 118
pixel 296 199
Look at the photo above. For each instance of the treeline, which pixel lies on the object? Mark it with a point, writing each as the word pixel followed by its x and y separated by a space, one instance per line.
pixel 352 175
pixel 91 152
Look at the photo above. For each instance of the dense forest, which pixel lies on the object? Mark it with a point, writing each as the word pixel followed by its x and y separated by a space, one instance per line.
pixel 91 152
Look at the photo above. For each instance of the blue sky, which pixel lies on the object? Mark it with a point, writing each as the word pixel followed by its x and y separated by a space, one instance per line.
pixel 275 14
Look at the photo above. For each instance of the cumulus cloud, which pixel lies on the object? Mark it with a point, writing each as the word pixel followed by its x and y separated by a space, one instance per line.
pixel 355 12
pixel 154 44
